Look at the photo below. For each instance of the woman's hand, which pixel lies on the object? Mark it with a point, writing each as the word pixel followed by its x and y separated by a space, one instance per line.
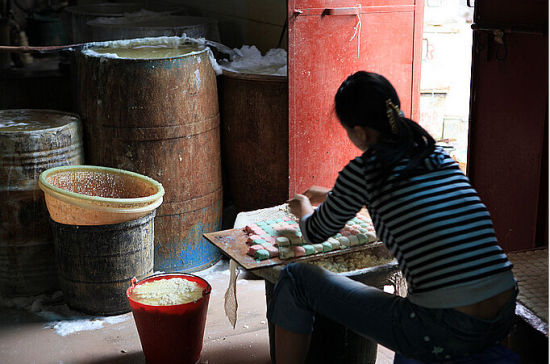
pixel 300 206
pixel 317 194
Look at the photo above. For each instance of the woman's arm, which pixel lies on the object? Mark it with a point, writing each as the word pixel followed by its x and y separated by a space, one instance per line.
pixel 302 204
pixel 317 194
pixel 342 203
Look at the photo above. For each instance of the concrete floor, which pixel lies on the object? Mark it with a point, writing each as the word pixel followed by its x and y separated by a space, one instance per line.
pixel 44 330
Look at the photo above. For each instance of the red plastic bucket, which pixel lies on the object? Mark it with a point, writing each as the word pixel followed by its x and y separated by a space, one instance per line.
pixel 171 334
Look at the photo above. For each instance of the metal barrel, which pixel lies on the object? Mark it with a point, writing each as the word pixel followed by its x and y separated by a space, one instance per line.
pixel 159 117
pixel 31 141
pixel 96 264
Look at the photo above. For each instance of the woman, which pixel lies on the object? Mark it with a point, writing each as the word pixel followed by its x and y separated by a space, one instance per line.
pixel 461 291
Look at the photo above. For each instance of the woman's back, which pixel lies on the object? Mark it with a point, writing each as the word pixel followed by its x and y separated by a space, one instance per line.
pixel 439 230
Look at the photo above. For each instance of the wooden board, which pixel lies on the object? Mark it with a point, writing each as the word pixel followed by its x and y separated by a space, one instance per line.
pixel 233 244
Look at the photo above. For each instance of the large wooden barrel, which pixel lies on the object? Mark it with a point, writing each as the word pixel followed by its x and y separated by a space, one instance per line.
pixel 96 263
pixel 254 111
pixel 159 117
pixel 31 141
pixel 102 29
pixel 76 17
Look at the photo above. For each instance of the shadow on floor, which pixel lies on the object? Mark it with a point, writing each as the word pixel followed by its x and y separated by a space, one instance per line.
pixel 233 355
pixel 122 358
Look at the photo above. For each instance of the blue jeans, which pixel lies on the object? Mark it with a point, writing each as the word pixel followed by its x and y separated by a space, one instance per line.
pixel 425 334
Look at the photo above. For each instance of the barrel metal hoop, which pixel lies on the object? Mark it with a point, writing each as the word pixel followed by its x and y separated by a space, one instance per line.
pixel 191 205
pixel 163 132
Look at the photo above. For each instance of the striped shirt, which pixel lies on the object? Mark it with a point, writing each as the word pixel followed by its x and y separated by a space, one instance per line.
pixel 433 222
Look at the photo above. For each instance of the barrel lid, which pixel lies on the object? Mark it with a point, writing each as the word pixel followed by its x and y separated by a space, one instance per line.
pixel 28 120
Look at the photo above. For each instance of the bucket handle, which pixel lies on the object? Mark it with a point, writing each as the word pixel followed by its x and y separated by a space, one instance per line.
pixel 133 282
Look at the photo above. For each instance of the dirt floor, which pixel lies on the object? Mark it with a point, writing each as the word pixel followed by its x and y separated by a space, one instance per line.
pixel 44 330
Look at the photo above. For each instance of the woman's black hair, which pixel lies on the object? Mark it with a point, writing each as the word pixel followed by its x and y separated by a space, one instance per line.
pixel 368 99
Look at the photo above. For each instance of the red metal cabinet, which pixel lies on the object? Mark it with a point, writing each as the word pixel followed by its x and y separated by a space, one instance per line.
pixel 508 135
pixel 329 40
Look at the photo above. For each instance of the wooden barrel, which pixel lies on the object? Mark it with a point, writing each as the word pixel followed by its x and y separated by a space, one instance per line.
pixel 31 141
pixel 76 17
pixel 102 29
pixel 95 264
pixel 159 117
pixel 254 111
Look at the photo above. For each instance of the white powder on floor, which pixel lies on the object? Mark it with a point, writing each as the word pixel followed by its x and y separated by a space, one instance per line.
pixel 66 327
pixel 165 292
pixel 58 316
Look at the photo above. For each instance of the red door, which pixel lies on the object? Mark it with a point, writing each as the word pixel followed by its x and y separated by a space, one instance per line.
pixel 508 137
pixel 329 40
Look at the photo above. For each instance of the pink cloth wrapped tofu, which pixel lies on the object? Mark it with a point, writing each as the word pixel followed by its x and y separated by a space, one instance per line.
pixel 253 249
pixel 251 238
pixel 273 251
pixel 299 251
pixel 249 229
pixel 259 231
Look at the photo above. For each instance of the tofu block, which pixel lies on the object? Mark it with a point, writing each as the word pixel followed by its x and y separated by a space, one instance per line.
pixel 286 252
pixel 335 243
pixel 253 249
pixel 344 242
pixel 309 249
pixel 251 238
pixel 299 251
pixel 296 240
pixel 282 241
pixel 327 246
pixel 261 254
pixel 318 248
pixel 372 237
pixel 363 239
pixel 353 240
pixel 273 251
pixel 259 241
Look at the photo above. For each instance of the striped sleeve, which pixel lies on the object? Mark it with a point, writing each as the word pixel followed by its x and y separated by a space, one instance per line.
pixel 343 202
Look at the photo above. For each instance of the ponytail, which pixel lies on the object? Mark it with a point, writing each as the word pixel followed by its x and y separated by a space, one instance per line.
pixel 411 141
